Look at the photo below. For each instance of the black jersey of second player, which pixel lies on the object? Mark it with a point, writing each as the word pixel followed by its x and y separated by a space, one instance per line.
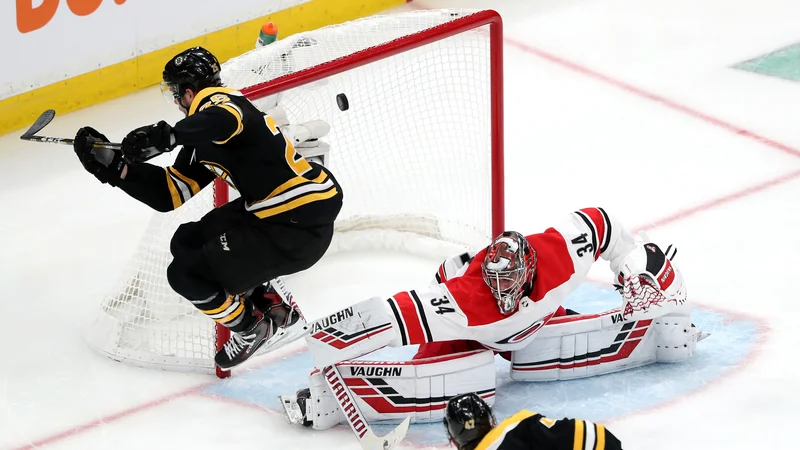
pixel 231 137
pixel 526 430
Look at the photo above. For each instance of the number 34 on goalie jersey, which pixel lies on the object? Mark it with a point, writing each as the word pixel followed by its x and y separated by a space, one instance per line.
pixel 459 306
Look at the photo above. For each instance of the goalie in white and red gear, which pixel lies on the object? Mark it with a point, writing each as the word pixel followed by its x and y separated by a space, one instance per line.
pixel 501 296
pixel 508 298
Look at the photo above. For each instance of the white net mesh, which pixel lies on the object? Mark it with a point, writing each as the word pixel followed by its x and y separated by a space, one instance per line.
pixel 412 153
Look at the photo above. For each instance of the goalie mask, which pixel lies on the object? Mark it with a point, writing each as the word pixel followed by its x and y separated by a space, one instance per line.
pixel 508 269
pixel 467 419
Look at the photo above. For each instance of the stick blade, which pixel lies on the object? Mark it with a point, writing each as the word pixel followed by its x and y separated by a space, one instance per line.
pixel 40 123
pixel 372 442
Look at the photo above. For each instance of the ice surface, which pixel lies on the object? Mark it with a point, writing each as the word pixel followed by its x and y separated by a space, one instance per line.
pixel 576 135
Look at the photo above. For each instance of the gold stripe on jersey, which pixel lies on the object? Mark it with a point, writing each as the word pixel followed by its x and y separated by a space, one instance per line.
pixel 499 432
pixel 548 422
pixel 217 96
pixel 173 191
pixel 232 316
pixel 601 438
pixel 297 163
pixel 295 192
pixel 230 311
pixel 195 188
pixel 181 187
pixel 296 203
pixel 292 182
pixel 207 92
pixel 228 302
pixel 237 113
pixel 220 172
pixel 578 441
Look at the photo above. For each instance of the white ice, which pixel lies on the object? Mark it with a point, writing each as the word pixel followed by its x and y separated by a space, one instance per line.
pixel 573 139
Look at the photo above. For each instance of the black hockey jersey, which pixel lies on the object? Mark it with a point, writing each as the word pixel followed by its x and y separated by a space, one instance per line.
pixel 526 430
pixel 225 135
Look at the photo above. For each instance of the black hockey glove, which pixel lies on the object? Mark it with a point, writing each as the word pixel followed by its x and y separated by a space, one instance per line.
pixel 148 142
pixel 105 164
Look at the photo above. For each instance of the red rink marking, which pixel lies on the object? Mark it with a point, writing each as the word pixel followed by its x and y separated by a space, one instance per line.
pixel 711 204
pixel 112 418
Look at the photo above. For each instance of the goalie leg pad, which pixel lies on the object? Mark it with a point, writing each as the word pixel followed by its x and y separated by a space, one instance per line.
pixel 351 332
pixel 322 409
pixel 583 346
pixel 392 391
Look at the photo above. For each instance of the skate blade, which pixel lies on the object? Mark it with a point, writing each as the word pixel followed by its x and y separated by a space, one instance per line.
pixel 284 336
pixel 702 335
pixel 291 410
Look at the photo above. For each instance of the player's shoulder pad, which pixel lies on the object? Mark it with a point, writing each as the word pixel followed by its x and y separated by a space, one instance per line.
pixel 214 96
pixel 497 435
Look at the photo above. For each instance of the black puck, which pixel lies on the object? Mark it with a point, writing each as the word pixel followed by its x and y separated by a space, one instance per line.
pixel 342 101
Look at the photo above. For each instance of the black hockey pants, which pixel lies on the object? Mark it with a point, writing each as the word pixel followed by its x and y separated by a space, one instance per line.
pixel 230 251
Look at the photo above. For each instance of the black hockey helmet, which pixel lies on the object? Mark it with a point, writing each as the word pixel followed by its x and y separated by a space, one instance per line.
pixel 195 69
pixel 467 419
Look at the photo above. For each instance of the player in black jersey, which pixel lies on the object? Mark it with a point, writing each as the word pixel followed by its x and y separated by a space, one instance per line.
pixel 471 425
pixel 281 224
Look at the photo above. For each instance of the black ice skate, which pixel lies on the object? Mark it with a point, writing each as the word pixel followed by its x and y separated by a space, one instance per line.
pixel 267 300
pixel 241 346
pixel 276 302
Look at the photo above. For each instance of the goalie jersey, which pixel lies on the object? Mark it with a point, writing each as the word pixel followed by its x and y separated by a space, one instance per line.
pixel 460 306
pixel 526 430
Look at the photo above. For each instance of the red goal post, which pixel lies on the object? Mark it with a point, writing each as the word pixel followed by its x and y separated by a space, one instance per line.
pixel 419 153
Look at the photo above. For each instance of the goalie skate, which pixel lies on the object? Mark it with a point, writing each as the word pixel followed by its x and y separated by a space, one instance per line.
pixel 293 411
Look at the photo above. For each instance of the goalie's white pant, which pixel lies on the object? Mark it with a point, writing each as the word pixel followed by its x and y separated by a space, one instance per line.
pixel 395 390
pixel 571 347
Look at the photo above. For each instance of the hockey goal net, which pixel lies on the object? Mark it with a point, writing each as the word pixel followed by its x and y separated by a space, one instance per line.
pixel 418 153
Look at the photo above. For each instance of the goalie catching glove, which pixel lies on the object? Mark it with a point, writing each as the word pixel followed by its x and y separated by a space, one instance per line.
pixel 649 283
pixel 105 164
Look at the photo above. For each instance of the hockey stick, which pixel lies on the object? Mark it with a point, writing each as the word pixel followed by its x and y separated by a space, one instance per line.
pixel 45 120
pixel 367 439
